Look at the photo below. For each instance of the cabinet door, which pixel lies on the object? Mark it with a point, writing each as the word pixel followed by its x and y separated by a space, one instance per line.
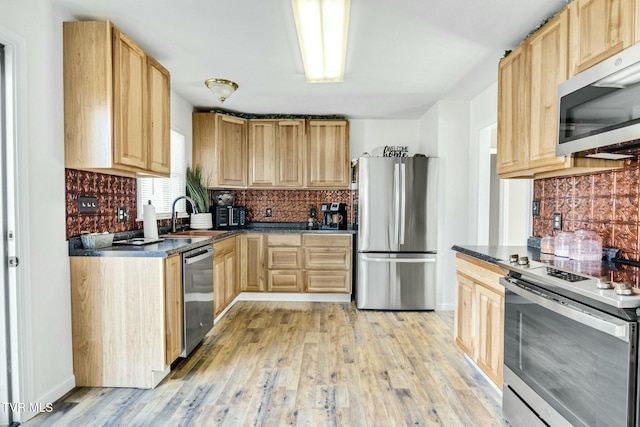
pixel 548 57
pixel 230 277
pixel 290 154
pixel 129 102
pixel 203 152
pixel 219 280
pixel 328 163
pixel 513 112
pixel 251 262
pixel 599 29
pixel 490 327
pixel 231 151
pixel 159 102
pixel 173 308
pixel 284 281
pixel 329 281
pixel 464 316
pixel 262 153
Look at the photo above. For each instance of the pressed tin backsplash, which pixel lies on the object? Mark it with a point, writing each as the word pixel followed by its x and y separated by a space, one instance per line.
pixel 606 202
pixel 113 191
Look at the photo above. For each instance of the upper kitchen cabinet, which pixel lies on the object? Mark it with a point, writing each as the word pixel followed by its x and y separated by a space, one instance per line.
pixel 116 103
pixel 528 81
pixel 328 154
pixel 276 153
pixel 513 113
pixel 220 147
pixel 600 29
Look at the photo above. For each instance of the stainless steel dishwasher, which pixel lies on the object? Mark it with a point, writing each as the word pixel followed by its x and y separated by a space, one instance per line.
pixel 197 292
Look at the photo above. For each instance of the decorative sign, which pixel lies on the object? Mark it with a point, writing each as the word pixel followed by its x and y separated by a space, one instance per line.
pixel 396 151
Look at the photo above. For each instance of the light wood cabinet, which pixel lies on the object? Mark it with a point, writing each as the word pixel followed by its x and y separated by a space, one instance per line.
pixel 513 112
pixel 328 154
pixel 251 266
pixel 327 262
pixel 116 103
pixel 600 29
pixel 220 148
pixel 284 263
pixel 276 153
pixel 479 321
pixel 528 81
pixel 173 306
pixel 225 277
pixel 125 318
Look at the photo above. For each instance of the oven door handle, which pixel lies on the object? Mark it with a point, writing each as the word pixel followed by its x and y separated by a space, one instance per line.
pixel 199 257
pixel 610 326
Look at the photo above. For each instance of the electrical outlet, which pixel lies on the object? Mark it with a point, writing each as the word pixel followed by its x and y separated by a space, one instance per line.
pixel 557 221
pixel 87 205
pixel 535 208
pixel 268 213
pixel 122 214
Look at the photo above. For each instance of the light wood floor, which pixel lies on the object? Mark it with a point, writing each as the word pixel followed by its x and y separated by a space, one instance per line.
pixel 305 364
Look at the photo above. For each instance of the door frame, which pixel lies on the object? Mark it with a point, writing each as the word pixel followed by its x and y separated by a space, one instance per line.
pixel 19 289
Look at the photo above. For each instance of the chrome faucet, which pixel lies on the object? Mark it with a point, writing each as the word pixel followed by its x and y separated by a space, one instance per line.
pixel 174 218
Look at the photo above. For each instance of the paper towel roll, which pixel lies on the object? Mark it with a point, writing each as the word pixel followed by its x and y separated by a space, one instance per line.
pixel 150 221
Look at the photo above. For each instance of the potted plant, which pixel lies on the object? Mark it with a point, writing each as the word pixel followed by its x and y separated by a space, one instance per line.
pixel 198 191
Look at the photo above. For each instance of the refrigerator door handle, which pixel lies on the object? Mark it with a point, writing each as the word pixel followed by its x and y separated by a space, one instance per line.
pixel 403 203
pixel 396 210
pixel 394 260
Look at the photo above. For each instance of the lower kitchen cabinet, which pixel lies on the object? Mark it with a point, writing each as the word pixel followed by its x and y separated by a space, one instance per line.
pixel 225 277
pixel 126 319
pixel 173 306
pixel 284 263
pixel 327 262
pixel 480 314
pixel 251 262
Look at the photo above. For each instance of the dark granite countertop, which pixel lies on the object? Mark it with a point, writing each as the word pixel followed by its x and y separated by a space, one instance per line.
pixel 171 245
pixel 493 254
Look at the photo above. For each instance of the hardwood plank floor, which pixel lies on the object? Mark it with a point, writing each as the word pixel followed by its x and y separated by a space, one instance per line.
pixel 304 364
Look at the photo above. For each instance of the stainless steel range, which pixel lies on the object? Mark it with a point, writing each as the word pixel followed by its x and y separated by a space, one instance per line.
pixel 570 347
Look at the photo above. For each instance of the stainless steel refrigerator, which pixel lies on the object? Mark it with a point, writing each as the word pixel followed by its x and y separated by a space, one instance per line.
pixel 397 233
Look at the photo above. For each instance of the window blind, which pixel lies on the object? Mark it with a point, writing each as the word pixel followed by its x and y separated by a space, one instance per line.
pixel 163 191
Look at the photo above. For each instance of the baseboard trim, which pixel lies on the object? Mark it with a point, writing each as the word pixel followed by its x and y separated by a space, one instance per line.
pixel 445 307
pixel 49 397
pixel 294 297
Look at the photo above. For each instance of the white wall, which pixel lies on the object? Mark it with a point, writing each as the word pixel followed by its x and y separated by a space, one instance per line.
pixel 42 247
pixel 365 135
pixel 483 118
pixel 444 133
pixel 181 120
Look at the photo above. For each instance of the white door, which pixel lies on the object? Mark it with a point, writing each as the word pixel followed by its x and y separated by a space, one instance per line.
pixel 8 267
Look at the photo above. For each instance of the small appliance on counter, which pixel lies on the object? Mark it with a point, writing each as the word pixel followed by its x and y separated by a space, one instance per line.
pixel 334 216
pixel 225 217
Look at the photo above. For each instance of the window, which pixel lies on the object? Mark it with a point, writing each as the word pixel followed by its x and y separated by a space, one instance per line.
pixel 163 191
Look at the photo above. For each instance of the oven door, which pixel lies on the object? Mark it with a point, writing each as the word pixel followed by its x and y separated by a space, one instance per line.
pixel 571 364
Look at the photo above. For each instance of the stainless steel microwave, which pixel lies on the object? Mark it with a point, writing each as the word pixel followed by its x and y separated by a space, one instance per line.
pixel 599 109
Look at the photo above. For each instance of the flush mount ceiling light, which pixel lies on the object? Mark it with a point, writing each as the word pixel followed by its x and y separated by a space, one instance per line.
pixel 322 33
pixel 221 88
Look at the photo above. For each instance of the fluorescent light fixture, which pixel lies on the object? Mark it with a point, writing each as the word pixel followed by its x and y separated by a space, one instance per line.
pixel 322 33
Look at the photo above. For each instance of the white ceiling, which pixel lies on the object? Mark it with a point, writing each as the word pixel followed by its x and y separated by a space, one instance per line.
pixel 402 56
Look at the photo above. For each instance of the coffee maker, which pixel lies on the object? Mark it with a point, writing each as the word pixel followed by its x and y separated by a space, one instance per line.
pixel 334 216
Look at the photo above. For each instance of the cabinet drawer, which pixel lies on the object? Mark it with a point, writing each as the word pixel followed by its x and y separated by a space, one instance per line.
pixel 323 240
pixel 283 258
pixel 284 239
pixel 223 247
pixel 284 281
pixel 329 281
pixel 328 258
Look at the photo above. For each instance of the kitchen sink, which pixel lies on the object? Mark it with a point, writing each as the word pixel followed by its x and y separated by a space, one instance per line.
pixel 195 233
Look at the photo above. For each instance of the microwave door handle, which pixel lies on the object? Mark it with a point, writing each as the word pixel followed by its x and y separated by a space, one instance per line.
pixel 396 203
pixel 614 327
